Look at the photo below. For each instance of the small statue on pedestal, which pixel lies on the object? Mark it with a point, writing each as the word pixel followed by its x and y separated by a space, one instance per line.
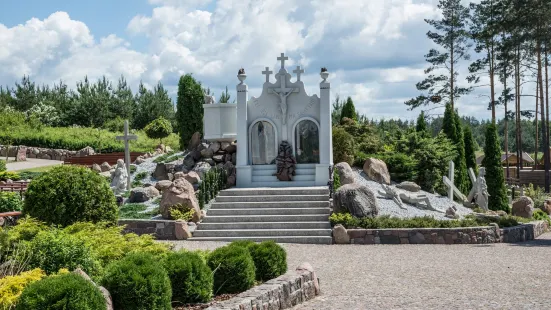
pixel 286 162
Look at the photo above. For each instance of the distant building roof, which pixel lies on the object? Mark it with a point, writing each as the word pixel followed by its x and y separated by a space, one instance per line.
pixel 512 158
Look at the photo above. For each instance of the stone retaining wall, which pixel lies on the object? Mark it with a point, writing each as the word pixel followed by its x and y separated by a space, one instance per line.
pixel 283 292
pixel 44 153
pixel 463 235
pixel 160 229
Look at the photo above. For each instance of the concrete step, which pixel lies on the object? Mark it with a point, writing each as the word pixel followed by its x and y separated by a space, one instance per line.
pixel 278 239
pixel 284 184
pixel 269 198
pixel 271 172
pixel 265 218
pixel 263 225
pixel 269 204
pixel 273 178
pixel 259 191
pixel 274 167
pixel 268 211
pixel 262 232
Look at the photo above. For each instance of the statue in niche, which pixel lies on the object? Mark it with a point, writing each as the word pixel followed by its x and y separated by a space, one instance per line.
pixel 307 142
pixel 286 162
pixel 262 143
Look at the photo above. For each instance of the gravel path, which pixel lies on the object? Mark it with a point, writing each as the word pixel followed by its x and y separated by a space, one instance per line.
pixel 30 163
pixel 496 276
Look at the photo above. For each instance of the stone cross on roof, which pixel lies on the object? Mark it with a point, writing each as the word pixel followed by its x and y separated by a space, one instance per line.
pixel 267 72
pixel 282 58
pixel 298 71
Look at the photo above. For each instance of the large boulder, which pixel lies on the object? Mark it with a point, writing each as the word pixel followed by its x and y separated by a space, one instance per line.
pixel 201 168
pixel 163 185
pixel 224 145
pixel 162 171
pixel 97 168
pixel 357 199
pixel 523 207
pixel 340 235
pixel 207 153
pixel 105 167
pixel 377 171
pixel 180 193
pixel 87 151
pixel 409 186
pixel 143 194
pixel 192 177
pixel 346 175
pixel 547 206
pixel 194 141
pixel 214 146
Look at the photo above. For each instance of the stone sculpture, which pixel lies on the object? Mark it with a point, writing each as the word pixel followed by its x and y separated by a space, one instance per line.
pixel 286 162
pixel 479 192
pixel 420 201
pixel 209 99
pixel 120 178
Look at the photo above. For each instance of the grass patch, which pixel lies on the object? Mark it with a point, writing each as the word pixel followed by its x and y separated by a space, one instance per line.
pixel 163 158
pixel 37 169
pixel 135 211
pixel 140 176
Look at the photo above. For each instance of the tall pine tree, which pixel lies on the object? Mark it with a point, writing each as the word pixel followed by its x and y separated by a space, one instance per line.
pixel 348 110
pixel 494 171
pixel 421 125
pixel 470 149
pixel 189 113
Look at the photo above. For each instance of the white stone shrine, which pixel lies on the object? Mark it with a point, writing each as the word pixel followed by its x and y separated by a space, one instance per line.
pixel 283 112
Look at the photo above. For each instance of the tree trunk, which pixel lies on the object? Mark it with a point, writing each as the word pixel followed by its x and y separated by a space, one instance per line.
pixel 506 119
pixel 537 134
pixel 543 125
pixel 517 109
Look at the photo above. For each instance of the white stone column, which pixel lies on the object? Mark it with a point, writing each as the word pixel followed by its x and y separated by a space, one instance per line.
pixel 326 132
pixel 242 134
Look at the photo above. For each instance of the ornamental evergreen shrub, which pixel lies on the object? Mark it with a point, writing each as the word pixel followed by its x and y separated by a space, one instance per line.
pixel 69 194
pixel 190 277
pixel 10 201
pixel 421 125
pixel 343 146
pixel 494 172
pixel 11 287
pixel 64 292
pixel 349 110
pixel 52 250
pixel 137 282
pixel 233 268
pixel 470 149
pixel 270 260
pixel 189 112
pixel 158 129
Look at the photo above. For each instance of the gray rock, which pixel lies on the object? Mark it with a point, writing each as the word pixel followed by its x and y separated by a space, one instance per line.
pixel 357 199
pixel 214 146
pixel 346 175
pixel 87 151
pixel 138 195
pixel 523 207
pixel 207 153
pixel 188 163
pixel 218 158
pixel 234 158
pixel 340 235
pixel 210 161
pixel 202 146
pixel 96 168
pixel 417 238
pixel 377 171
pixel 231 149
pixel 105 167
pixel 409 186
pixel 201 168
pixel 194 141
pixel 163 185
pixel 162 171
pixel 196 155
pixel 139 160
pixel 192 177
pixel 224 145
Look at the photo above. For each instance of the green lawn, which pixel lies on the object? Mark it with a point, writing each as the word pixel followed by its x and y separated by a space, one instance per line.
pixel 37 169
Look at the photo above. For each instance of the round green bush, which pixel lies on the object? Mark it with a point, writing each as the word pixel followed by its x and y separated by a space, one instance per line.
pixel 190 277
pixel 52 250
pixel 69 194
pixel 234 270
pixel 158 129
pixel 64 292
pixel 270 259
pixel 138 282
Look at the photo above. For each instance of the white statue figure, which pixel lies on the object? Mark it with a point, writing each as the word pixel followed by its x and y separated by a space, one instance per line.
pixel 420 201
pixel 481 194
pixel 209 99
pixel 119 178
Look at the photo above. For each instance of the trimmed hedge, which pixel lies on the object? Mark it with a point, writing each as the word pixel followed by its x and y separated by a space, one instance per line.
pixel 270 259
pixel 191 279
pixel 234 270
pixel 137 282
pixel 64 292
pixel 69 194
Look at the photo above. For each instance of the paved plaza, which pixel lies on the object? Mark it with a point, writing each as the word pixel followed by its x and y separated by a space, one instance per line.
pixel 493 276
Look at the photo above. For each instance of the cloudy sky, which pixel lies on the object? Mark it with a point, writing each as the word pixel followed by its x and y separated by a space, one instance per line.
pixel 373 48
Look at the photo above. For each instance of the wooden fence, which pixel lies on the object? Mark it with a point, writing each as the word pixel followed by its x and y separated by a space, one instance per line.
pixel 19 187
pixel 110 158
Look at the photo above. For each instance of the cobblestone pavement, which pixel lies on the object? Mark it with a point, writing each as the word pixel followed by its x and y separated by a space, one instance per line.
pixel 494 276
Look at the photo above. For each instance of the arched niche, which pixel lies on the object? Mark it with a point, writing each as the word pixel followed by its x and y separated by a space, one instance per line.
pixel 306 141
pixel 263 142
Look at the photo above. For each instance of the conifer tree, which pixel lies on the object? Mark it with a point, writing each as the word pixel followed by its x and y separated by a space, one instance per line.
pixel 421 125
pixel 348 110
pixel 470 149
pixel 494 172
pixel 189 114
pixel 461 174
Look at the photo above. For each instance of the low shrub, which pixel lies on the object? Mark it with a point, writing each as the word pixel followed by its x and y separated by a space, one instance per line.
pixel 162 158
pixel 29 175
pixel 343 146
pixel 10 201
pixel 86 197
pixel 67 291
pixel 52 250
pixel 213 182
pixel 537 194
pixel 158 129
pixel 136 211
pixel 234 269
pixel 540 215
pixel 140 176
pixel 181 212
pixel 25 230
pixel 11 287
pixel 190 277
pixel 2 165
pixel 137 282
pixel 270 260
pixel 9 175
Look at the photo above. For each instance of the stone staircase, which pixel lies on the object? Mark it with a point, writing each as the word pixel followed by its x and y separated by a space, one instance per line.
pixel 263 176
pixel 284 215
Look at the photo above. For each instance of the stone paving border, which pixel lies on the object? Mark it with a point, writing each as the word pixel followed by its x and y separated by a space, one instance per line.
pixel 286 291
pixel 463 235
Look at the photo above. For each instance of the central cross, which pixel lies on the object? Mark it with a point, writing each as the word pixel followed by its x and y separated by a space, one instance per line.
pixel 282 58
pixel 283 92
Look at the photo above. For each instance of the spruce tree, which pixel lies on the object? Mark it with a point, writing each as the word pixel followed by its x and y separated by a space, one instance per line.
pixel 448 123
pixel 189 114
pixel 348 110
pixel 421 125
pixel 461 174
pixel 494 172
pixel 470 149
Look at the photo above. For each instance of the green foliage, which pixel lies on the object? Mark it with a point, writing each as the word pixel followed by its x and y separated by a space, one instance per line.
pixel 54 249
pixel 470 149
pixel 189 112
pixel 453 130
pixel 11 287
pixel 366 138
pixel 86 197
pixel 158 129
pixel 213 182
pixel 2 165
pixel 28 175
pixel 140 176
pixel 343 146
pixel 136 211
pixel 349 110
pixel 401 166
pixel 9 175
pixel 10 201
pixel 180 212
pixel 115 125
pixel 270 260
pixel 137 282
pixel 68 291
pixel 336 180
pixel 163 158
pixel 537 194
pixel 421 125
pixel 540 215
pixel 234 269
pixel 191 279
pixel 494 172
pixel 225 97
pixel 46 114
pixel 151 105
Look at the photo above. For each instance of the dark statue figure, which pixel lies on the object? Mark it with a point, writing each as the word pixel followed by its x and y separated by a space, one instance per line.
pixel 286 162
pixel 241 71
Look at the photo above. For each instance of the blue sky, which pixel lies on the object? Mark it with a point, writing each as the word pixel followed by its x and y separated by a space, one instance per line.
pixel 373 48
